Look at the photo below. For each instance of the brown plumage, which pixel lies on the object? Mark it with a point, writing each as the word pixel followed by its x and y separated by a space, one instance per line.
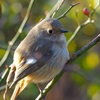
pixel 40 56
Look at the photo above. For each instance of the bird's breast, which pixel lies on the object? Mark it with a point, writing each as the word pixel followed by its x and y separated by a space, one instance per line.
pixel 52 68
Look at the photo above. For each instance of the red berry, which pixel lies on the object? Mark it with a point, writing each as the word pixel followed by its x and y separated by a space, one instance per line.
pixel 86 11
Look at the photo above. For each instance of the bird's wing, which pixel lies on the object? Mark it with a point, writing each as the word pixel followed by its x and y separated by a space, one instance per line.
pixel 39 56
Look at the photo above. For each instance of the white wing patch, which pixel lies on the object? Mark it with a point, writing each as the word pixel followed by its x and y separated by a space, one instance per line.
pixel 31 61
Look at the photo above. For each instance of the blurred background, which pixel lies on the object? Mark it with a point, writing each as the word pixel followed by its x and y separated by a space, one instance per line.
pixel 71 86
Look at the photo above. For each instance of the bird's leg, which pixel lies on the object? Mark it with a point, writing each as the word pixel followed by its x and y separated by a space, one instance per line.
pixel 6 90
pixel 41 92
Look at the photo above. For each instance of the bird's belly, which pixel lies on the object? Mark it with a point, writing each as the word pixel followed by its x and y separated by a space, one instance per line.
pixel 43 75
pixel 49 71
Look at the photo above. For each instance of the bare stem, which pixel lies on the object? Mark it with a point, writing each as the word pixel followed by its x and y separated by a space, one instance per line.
pixel 17 34
pixel 64 14
pixel 55 8
pixel 93 11
pixel 79 28
pixel 74 34
pixel 85 48
pixel 59 6
pixel 88 21
pixel 5 73
pixel 14 39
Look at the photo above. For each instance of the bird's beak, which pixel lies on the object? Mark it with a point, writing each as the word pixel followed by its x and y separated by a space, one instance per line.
pixel 64 31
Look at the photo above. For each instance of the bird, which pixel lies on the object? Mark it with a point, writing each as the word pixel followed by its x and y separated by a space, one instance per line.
pixel 40 56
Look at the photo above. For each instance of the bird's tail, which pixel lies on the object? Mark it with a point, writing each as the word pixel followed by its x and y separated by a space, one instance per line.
pixel 20 86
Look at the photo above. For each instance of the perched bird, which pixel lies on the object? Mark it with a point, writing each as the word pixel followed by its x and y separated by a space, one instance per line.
pixel 40 56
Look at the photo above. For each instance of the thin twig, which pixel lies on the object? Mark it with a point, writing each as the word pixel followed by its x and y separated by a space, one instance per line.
pixel 52 13
pixel 85 48
pixel 64 14
pixel 74 34
pixel 59 6
pixel 88 21
pixel 4 86
pixel 54 9
pixel 72 59
pixel 4 74
pixel 93 11
pixel 17 34
pixel 14 39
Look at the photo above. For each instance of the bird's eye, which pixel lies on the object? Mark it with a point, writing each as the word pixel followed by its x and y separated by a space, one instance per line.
pixel 50 31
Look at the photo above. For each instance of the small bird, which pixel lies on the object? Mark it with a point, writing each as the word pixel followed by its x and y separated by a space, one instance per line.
pixel 40 56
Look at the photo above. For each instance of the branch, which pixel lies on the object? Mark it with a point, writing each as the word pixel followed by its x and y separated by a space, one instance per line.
pixel 14 39
pixel 93 11
pixel 88 21
pixel 5 73
pixel 72 59
pixel 58 7
pixel 84 49
pixel 55 8
pixel 4 47
pixel 64 14
pixel 11 43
